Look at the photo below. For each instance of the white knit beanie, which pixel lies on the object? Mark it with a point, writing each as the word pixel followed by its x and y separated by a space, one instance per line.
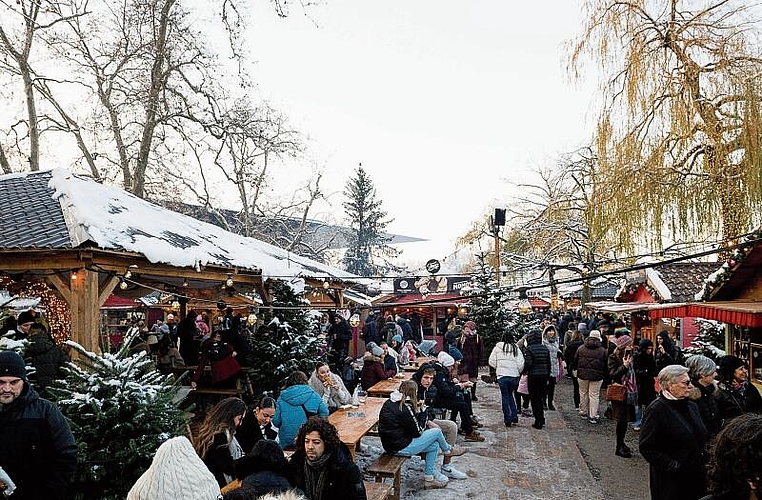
pixel 176 473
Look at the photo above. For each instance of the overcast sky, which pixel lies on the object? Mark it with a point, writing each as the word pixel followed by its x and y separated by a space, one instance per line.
pixel 442 101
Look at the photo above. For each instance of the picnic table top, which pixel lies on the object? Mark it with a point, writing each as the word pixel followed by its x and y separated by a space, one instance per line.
pixel 354 423
pixel 412 367
pixel 388 386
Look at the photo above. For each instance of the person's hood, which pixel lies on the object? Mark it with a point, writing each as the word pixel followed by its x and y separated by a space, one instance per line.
pixel 297 395
pixel 534 337
pixel 371 358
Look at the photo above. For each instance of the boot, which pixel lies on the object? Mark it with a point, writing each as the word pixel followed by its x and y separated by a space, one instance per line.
pixel 473 393
pixel 623 451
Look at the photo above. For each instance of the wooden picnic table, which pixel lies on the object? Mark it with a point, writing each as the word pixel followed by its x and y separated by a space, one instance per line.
pixel 354 423
pixel 413 367
pixel 383 388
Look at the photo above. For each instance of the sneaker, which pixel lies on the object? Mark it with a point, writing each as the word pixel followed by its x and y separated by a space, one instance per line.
pixel 455 451
pixel 583 416
pixel 636 427
pixel 526 412
pixel 453 473
pixel 436 480
pixel 594 420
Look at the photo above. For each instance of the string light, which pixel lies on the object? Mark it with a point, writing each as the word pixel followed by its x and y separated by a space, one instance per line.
pixel 74 275
pixel 229 281
pixel 185 283
pixel 57 312
pixel 122 284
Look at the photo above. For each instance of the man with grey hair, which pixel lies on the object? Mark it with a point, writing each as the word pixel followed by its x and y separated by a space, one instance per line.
pixel 673 439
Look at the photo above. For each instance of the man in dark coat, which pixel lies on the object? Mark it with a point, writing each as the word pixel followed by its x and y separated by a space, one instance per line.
pixel 322 466
pixel 187 332
pixel 38 451
pixel 537 366
pixel 341 334
pixel 47 358
pixel 673 439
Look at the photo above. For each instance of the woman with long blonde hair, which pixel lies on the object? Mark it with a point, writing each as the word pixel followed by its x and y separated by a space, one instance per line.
pixel 215 442
pixel 402 429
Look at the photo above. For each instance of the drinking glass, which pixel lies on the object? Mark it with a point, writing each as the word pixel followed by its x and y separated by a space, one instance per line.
pixel 361 395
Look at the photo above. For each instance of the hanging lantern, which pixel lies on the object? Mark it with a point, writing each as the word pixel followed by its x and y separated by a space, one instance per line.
pixel 123 284
pixel 251 319
pixel 354 320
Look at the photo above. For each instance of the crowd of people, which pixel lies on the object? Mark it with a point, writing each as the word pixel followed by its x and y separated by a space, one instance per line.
pixel 699 420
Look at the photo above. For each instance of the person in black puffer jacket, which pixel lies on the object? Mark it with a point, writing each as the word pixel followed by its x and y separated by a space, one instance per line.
pixel 591 361
pixel 322 466
pixel 264 470
pixel 537 366
pixel 46 357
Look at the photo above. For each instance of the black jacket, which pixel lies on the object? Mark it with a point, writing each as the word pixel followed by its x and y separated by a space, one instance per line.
pixel 590 360
pixel 266 481
pixel 397 427
pixel 343 481
pixel 218 459
pixel 37 448
pixel 645 371
pixel 672 440
pixel 570 351
pixel 704 397
pixel 446 395
pixel 249 432
pixel 47 359
pixel 536 357
pixel 732 403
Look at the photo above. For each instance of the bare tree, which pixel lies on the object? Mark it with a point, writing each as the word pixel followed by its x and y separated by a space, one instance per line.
pixel 679 136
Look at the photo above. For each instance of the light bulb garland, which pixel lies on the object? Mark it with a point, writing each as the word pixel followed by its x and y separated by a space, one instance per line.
pixel 57 312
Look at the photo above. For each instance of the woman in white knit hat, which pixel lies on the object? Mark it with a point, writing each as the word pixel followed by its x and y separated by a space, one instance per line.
pixel 176 472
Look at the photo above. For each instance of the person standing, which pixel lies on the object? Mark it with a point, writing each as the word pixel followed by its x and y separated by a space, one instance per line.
pixel 471 346
pixel 673 439
pixel 37 448
pixel 187 333
pixel 703 371
pixel 622 372
pixel 736 394
pixel 508 361
pixel 575 342
pixel 550 339
pixel 47 358
pixel 537 363
pixel 590 359
pixel 322 466
pixel 645 372
pixel 341 334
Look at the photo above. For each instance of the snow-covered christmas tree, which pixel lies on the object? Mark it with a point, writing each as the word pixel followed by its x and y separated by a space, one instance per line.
pixel 285 343
pixel 487 309
pixel 710 340
pixel 120 409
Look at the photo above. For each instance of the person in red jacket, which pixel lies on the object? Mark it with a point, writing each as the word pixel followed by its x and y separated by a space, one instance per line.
pixel 222 356
pixel 373 368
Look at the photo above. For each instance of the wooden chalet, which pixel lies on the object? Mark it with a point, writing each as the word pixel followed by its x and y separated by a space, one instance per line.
pixel 75 242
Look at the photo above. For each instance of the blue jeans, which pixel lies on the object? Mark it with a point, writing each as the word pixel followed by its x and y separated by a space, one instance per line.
pixel 429 442
pixel 638 416
pixel 507 387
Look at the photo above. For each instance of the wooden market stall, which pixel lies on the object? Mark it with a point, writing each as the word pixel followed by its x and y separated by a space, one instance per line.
pixel 75 242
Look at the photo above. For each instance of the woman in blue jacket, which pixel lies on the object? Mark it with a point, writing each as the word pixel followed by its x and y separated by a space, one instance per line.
pixel 296 403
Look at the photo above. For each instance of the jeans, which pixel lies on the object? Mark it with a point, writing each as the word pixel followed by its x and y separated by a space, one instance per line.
pixel 429 442
pixel 507 386
pixel 638 416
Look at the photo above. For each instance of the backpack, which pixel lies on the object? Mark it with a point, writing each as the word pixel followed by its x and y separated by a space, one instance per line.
pixel 218 350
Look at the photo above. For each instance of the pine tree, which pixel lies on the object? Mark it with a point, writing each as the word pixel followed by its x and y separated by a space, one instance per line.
pixel 287 342
pixel 487 309
pixel 120 410
pixel 710 340
pixel 368 253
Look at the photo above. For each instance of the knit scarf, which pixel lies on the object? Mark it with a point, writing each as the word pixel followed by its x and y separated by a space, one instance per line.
pixel 315 473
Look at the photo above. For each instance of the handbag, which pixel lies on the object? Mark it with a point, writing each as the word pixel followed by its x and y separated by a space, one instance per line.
pixel 616 392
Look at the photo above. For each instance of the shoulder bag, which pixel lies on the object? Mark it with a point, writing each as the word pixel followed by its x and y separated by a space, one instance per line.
pixel 616 392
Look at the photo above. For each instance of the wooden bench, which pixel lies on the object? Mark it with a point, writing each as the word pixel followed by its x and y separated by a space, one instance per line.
pixel 388 467
pixel 377 491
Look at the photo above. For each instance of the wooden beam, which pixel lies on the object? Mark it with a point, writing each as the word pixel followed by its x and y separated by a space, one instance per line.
pixel 61 284
pixel 106 289
pixel 85 310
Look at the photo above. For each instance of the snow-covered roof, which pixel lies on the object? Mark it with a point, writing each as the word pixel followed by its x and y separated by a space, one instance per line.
pixel 114 219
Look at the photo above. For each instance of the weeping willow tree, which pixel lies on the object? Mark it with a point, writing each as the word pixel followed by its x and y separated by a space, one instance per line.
pixel 678 135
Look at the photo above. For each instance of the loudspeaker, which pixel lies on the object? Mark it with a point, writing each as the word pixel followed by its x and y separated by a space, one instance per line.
pixel 499 219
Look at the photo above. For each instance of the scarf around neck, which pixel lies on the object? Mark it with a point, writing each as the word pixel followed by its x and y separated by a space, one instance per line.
pixel 315 473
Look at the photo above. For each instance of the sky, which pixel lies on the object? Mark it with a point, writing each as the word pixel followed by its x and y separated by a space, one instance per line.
pixel 444 103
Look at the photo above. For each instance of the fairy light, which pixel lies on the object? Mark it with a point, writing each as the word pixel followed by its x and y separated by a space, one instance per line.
pixel 57 312
pixel 122 284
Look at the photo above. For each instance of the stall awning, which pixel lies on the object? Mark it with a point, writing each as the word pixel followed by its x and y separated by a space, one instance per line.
pixel 358 298
pixel 748 314
pixel 116 302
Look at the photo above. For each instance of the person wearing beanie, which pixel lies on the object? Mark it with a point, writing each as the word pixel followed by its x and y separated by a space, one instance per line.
pixel 471 345
pixel 590 360
pixel 25 320
pixel 622 371
pixel 33 433
pixel 449 394
pixel 175 472
pixel 373 370
pixel 736 394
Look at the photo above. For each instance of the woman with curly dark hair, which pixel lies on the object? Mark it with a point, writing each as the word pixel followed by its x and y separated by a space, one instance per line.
pixel 322 465
pixel 215 441
pixel 735 471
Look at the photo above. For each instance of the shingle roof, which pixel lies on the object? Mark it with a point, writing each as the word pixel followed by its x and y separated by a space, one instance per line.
pixel 597 292
pixel 29 216
pixel 684 279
